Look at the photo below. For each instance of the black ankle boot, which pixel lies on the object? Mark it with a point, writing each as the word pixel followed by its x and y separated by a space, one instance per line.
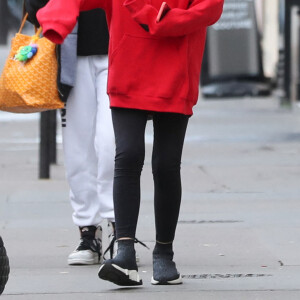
pixel 164 268
pixel 122 270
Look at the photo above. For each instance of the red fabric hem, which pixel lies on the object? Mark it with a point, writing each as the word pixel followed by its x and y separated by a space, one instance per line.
pixel 174 105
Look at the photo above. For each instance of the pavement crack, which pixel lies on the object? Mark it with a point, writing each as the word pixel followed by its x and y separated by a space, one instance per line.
pixel 281 263
pixel 202 168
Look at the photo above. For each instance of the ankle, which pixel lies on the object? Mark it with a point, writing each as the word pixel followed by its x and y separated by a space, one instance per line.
pixel 88 231
pixel 163 249
pixel 128 243
pixel 126 246
pixel 125 257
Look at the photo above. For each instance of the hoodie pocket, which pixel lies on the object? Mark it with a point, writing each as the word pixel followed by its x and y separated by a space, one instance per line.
pixel 147 66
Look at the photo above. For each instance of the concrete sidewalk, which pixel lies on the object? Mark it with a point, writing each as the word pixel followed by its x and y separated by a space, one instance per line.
pixel 239 231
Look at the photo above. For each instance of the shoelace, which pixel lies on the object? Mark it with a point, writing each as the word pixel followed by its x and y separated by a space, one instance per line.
pixel 86 244
pixel 110 248
pixel 92 245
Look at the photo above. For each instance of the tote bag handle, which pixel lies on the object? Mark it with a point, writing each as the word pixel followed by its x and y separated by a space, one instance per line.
pixel 37 31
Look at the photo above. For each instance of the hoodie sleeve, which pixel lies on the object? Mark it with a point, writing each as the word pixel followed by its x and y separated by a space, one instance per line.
pixel 58 18
pixel 177 22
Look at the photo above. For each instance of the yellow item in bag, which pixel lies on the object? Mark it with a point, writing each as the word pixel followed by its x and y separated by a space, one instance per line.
pixel 28 82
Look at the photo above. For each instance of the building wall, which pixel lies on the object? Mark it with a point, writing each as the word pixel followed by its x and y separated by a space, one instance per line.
pixel 268 10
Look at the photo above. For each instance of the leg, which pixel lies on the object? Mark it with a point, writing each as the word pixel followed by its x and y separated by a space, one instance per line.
pixel 81 163
pixel 169 133
pixel 129 127
pixel 105 148
pixel 104 141
pixel 79 150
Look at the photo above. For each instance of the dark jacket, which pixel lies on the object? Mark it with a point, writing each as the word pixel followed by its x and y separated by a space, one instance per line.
pixel 89 38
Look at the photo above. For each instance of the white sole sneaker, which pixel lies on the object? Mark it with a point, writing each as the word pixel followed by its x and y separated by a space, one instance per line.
pixel 83 257
pixel 119 276
pixel 174 281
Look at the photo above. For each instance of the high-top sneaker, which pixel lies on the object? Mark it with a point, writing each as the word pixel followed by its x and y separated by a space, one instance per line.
pixel 164 268
pixel 89 250
pixel 4 266
pixel 122 270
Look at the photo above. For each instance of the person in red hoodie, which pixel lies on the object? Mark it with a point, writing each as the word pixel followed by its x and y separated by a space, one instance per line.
pixel 154 68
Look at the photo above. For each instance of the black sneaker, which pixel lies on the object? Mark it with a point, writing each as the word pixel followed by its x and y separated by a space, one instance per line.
pixel 4 266
pixel 164 268
pixel 89 250
pixel 122 270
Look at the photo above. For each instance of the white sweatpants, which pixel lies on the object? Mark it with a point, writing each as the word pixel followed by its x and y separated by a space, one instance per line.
pixel 89 144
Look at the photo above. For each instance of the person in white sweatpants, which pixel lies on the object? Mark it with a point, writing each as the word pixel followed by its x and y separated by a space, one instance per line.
pixel 89 150
pixel 88 143
pixel 88 137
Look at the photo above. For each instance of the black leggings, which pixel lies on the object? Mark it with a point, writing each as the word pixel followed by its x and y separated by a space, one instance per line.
pixel 169 132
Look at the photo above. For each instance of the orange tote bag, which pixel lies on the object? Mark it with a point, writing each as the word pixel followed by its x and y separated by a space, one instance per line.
pixel 28 82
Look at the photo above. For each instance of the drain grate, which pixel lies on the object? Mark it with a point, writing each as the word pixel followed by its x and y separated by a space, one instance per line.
pixel 224 276
pixel 208 221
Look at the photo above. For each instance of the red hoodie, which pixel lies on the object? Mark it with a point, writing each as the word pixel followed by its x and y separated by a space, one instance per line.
pixel 155 70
